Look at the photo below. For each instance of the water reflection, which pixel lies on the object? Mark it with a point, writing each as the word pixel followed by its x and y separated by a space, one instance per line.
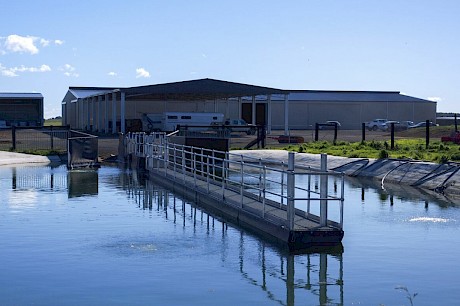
pixel 78 183
pixel 316 274
pixel 389 191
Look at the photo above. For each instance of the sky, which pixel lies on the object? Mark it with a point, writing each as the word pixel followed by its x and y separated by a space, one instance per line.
pixel 411 46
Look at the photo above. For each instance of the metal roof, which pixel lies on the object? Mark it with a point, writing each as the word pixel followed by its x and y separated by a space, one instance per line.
pixel 199 89
pixel 16 95
pixel 208 89
pixel 351 96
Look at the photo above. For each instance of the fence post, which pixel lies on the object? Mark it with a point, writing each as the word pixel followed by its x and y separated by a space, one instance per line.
pixel 455 122
pixel 335 132
pixel 427 133
pixel 363 132
pixel 290 191
pixel 52 138
pixel 13 136
pixel 392 135
pixel 316 131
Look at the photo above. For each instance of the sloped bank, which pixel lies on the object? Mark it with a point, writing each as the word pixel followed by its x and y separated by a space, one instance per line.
pixel 438 178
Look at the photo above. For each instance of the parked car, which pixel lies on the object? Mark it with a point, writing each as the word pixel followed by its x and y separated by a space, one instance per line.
pixel 421 124
pixel 377 124
pixel 330 125
pixel 401 125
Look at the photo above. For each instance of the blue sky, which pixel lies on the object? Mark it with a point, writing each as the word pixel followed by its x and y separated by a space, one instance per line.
pixel 393 45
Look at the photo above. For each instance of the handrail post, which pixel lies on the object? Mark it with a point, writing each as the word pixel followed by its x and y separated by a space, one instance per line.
pixel 260 178
pixel 309 193
pixel 323 191
pixel 290 191
pixel 282 184
pixel 342 199
pixel 242 180
pixel 264 181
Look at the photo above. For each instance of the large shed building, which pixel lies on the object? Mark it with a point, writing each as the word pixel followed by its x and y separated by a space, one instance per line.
pixel 112 110
pixel 21 109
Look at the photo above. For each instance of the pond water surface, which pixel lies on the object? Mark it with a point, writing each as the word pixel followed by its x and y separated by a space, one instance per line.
pixel 107 237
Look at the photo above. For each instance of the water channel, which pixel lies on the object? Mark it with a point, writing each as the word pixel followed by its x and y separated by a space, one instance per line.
pixel 109 237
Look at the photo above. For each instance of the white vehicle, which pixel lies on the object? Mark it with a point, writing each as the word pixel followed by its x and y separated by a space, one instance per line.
pixel 170 121
pixel 377 124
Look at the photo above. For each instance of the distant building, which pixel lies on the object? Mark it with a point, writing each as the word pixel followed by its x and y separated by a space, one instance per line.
pixel 111 110
pixel 21 109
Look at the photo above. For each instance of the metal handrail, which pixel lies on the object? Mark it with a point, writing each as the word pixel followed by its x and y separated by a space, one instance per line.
pixel 201 163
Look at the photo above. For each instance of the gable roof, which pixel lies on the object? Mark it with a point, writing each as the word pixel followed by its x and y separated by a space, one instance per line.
pixel 199 89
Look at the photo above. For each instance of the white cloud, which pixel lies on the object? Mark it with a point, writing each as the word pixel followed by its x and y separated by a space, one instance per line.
pixel 44 42
pixel 25 44
pixel 111 73
pixel 69 67
pixel 21 44
pixel 8 73
pixel 13 71
pixel 69 71
pixel 434 99
pixel 142 73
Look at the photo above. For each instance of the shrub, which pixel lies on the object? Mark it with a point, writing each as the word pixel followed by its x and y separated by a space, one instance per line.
pixel 383 154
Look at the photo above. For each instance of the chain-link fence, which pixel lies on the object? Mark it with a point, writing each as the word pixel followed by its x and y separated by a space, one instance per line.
pixel 28 139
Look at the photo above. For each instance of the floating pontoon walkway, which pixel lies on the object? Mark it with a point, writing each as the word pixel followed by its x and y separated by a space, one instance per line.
pixel 259 195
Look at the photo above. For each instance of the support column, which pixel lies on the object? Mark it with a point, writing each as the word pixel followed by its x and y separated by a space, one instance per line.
pixel 93 113
pixel 106 114
pixel 122 113
pixel 269 114
pixel 88 114
pixel 114 113
pixel 240 105
pixel 81 114
pixel 286 115
pixel 253 110
pixel 99 113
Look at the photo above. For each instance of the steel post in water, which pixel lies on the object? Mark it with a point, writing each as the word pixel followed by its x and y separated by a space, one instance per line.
pixel 290 191
pixel 323 191
pixel 323 278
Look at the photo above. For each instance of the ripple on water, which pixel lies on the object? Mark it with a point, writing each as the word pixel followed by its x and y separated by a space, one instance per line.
pixel 430 220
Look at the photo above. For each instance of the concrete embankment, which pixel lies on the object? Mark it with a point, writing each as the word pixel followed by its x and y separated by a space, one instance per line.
pixel 12 158
pixel 440 178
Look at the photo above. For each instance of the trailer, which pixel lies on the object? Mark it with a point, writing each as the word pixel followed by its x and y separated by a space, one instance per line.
pixel 170 121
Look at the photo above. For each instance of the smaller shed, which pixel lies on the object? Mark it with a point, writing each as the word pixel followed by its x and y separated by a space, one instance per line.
pixel 21 109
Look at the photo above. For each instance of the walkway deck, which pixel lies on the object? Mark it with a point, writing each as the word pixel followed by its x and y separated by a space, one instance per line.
pixel 249 206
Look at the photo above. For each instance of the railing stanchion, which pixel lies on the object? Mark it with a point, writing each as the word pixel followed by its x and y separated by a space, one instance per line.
pixel 282 184
pixel 264 184
pixel 290 191
pixel 323 191
pixel 242 180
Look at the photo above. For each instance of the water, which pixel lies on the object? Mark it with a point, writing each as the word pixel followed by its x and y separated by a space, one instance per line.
pixel 109 238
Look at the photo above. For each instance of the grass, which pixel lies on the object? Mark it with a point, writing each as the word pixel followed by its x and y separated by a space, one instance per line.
pixel 414 148
pixel 53 122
